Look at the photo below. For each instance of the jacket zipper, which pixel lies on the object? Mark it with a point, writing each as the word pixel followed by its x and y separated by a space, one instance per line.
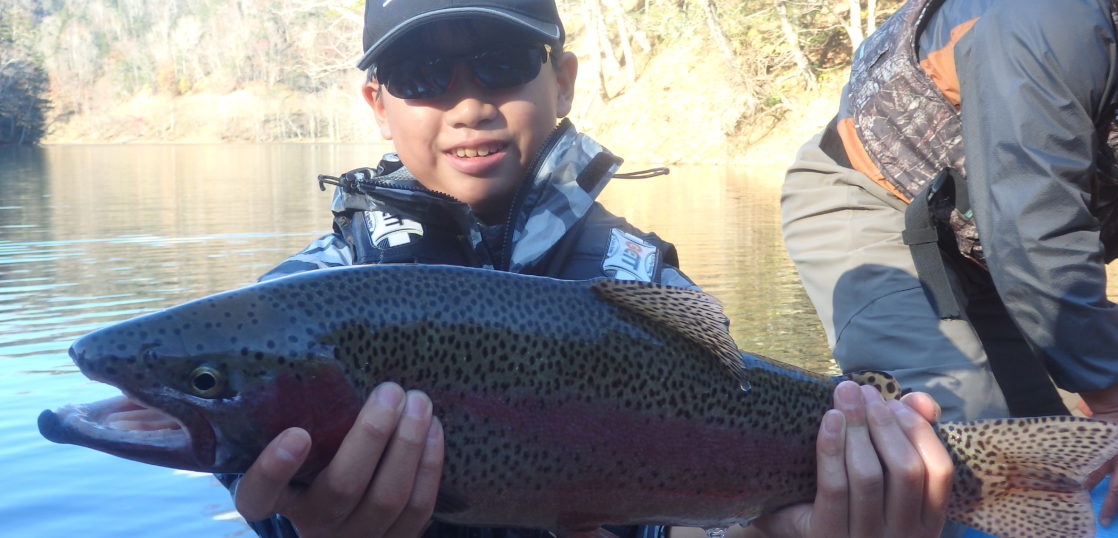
pixel 522 191
pixel 379 184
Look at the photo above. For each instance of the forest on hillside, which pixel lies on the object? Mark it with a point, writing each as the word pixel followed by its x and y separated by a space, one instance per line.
pixel 270 70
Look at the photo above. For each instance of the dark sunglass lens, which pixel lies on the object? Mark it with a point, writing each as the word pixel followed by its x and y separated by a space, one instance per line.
pixel 417 79
pixel 507 68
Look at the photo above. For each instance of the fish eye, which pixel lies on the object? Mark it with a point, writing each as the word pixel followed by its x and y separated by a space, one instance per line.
pixel 207 382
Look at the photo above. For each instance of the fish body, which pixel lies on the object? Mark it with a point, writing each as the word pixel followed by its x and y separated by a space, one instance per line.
pixel 566 404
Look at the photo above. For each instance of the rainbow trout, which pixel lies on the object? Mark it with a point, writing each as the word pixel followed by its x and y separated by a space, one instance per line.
pixel 566 404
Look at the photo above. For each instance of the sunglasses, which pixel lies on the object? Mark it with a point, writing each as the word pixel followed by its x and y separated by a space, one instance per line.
pixel 427 77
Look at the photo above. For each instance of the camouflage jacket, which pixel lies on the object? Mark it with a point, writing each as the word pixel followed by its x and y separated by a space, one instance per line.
pixel 909 126
pixel 1018 97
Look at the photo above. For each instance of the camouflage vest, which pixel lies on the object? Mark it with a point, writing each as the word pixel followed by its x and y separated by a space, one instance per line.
pixel 912 132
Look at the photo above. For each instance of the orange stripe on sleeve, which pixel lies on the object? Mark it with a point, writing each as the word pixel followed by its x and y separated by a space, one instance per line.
pixel 940 64
pixel 860 159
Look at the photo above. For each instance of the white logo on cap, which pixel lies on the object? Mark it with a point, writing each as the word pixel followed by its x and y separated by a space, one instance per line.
pixel 386 2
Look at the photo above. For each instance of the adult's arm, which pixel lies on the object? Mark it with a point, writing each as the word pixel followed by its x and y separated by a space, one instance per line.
pixel 1034 75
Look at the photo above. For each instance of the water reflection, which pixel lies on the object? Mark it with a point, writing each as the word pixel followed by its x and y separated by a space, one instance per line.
pixel 725 222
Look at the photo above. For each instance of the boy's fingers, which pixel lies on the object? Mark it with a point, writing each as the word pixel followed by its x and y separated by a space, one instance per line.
pixel 829 515
pixel 343 483
pixel 903 467
pixel 392 487
pixel 1110 503
pixel 261 492
pixel 831 511
pixel 417 514
pixel 862 465
pixel 923 404
pixel 1096 476
pixel 938 467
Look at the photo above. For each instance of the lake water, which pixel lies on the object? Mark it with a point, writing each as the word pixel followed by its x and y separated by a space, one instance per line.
pixel 91 235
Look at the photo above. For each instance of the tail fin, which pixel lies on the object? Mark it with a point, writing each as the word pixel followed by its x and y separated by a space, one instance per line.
pixel 1024 477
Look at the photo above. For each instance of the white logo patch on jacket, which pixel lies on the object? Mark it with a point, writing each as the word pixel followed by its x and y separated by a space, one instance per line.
pixel 386 230
pixel 629 257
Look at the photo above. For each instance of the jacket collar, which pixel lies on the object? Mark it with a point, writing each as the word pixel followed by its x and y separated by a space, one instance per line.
pixel 559 189
pixel 570 172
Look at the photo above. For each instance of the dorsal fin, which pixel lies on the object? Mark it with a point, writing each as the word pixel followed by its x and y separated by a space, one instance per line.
pixel 693 314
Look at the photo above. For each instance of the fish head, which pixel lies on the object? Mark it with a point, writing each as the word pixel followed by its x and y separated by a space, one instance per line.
pixel 206 386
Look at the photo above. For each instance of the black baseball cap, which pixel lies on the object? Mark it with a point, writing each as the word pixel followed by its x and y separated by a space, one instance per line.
pixel 387 20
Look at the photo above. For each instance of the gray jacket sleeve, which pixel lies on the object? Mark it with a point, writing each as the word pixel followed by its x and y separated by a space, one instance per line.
pixel 1036 77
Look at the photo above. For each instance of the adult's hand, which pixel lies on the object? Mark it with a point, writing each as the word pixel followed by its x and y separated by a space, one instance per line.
pixel 882 472
pixel 1104 406
pixel 382 482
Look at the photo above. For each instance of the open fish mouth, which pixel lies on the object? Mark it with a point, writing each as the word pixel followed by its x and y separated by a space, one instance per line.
pixel 126 427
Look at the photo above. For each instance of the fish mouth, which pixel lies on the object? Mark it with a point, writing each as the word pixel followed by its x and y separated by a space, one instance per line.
pixel 126 427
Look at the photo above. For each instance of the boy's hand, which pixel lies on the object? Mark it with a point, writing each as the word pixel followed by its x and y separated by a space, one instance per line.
pixel 882 472
pixel 382 482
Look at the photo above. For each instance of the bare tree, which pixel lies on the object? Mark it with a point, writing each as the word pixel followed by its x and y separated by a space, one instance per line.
pixel 598 43
pixel 803 65
pixel 856 29
pixel 621 22
pixel 715 28
pixel 606 65
pixel 871 16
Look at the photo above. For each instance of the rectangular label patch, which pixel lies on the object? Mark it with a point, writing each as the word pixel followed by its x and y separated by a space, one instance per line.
pixel 629 257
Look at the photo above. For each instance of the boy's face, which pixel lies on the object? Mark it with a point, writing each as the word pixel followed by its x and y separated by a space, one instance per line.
pixel 474 143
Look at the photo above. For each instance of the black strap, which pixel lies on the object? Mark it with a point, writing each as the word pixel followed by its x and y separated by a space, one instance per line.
pixel 922 238
pixel 831 144
pixel 920 233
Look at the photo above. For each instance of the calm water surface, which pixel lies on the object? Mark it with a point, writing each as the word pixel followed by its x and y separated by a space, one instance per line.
pixel 91 235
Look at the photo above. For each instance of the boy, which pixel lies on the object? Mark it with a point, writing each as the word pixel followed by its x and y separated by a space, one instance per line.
pixel 469 94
